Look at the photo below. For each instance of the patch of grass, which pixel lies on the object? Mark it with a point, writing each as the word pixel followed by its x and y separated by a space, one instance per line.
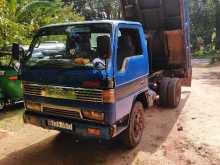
pixel 213 55
pixel 208 53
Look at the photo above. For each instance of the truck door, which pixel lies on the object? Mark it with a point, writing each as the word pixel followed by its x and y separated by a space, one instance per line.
pixel 131 67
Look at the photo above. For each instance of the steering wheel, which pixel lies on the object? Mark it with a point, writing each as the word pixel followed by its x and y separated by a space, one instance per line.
pixel 99 64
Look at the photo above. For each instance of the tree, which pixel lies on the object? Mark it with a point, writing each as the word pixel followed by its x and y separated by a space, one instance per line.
pixel 19 18
pixel 202 18
pixel 10 30
pixel 97 9
pixel 217 25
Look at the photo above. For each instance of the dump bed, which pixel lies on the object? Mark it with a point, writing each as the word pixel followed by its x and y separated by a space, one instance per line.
pixel 166 25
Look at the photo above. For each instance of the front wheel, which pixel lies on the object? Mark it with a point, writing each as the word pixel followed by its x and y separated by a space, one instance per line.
pixel 132 136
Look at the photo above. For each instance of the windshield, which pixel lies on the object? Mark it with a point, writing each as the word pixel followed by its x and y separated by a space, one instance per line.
pixel 68 46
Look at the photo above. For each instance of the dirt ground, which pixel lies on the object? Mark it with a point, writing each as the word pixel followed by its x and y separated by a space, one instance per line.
pixel 187 135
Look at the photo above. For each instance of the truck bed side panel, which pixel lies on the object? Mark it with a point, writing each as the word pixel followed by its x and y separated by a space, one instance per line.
pixel 166 26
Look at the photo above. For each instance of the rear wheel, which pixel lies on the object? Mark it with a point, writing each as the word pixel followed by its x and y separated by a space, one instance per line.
pixel 174 92
pixel 163 91
pixel 132 136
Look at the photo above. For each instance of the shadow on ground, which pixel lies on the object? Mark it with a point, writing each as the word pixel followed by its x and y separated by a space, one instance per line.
pixel 62 149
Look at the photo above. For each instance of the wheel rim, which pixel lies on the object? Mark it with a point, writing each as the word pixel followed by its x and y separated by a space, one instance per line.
pixel 137 126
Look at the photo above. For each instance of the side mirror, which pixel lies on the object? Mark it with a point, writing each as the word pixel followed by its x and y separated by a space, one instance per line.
pixel 17 51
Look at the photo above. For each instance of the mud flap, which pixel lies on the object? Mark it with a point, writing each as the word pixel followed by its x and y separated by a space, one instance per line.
pixel 188 80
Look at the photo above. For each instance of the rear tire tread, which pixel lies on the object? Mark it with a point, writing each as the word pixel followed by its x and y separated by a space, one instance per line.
pixel 163 91
pixel 174 92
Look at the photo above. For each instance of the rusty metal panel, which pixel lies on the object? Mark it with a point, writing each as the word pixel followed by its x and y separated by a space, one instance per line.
pixel 187 80
pixel 154 14
pixel 166 24
pixel 175 47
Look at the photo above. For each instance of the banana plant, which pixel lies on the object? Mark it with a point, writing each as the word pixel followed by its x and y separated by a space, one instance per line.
pixel 19 18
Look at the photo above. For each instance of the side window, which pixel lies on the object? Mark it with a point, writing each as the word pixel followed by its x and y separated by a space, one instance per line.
pixel 129 44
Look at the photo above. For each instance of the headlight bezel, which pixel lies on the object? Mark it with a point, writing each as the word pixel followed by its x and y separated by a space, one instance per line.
pixel 93 115
pixel 33 106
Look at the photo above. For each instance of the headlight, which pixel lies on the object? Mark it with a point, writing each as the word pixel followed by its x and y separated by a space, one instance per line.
pixel 33 106
pixel 93 115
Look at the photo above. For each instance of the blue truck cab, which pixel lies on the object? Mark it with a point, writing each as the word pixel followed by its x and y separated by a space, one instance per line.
pixel 95 78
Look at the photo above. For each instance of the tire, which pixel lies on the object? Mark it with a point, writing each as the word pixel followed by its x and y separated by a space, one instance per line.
pixel 174 92
pixel 133 134
pixel 164 91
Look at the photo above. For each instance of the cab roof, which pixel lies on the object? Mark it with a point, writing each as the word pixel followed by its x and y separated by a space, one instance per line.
pixel 113 22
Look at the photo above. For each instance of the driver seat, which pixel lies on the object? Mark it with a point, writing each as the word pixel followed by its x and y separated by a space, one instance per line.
pixel 103 46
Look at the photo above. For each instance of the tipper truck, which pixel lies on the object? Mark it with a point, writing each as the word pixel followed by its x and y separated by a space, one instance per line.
pixel 94 79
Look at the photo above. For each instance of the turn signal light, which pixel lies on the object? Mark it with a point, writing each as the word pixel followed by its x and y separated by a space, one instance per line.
pixel 93 115
pixel 13 78
pixel 94 131
pixel 108 96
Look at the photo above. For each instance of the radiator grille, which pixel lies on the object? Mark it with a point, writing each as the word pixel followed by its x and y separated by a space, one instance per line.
pixel 88 95
pixel 62 112
pixel 32 89
pixel 81 94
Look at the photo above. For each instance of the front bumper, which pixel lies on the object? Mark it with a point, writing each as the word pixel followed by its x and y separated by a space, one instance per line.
pixel 79 128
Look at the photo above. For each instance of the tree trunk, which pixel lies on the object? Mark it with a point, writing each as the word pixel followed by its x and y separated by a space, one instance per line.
pixel 217 9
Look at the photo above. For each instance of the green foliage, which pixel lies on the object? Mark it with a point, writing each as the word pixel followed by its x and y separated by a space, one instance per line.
pixel 12 5
pixel 19 18
pixel 205 26
pixel 11 31
pixel 202 17
pixel 34 10
pixel 97 9
pixel 208 53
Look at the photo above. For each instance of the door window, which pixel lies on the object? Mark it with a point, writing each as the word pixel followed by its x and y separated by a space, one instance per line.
pixel 129 45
